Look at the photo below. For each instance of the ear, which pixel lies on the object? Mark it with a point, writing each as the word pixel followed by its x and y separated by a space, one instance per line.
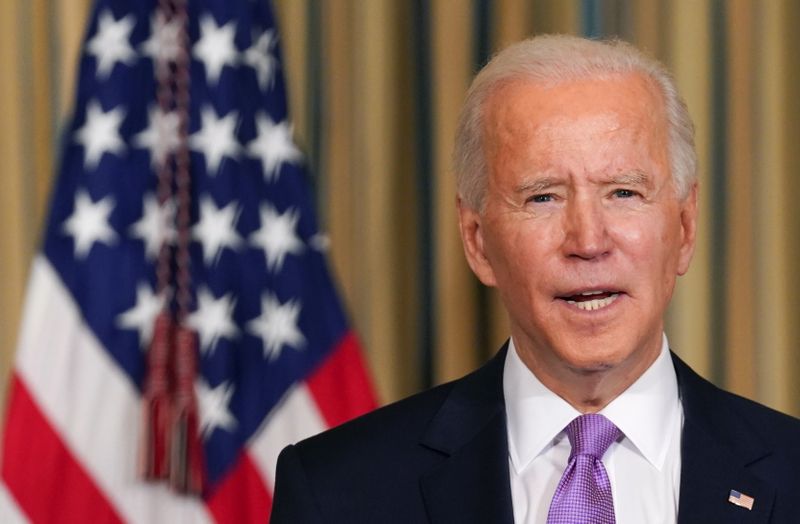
pixel 471 229
pixel 688 229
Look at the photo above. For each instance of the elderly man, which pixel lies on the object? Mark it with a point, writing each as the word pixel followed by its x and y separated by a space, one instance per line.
pixel 577 200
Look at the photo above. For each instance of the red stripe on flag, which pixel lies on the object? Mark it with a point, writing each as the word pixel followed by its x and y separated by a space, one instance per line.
pixel 46 480
pixel 340 386
pixel 242 495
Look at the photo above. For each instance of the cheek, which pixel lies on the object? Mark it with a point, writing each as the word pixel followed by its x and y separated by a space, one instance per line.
pixel 635 235
pixel 628 234
pixel 652 251
pixel 520 255
pixel 509 255
pixel 648 248
pixel 648 235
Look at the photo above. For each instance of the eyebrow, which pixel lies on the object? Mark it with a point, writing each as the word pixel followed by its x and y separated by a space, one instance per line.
pixel 631 178
pixel 538 185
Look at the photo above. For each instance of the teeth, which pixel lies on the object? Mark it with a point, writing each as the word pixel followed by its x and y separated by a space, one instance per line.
pixel 591 305
pixel 590 293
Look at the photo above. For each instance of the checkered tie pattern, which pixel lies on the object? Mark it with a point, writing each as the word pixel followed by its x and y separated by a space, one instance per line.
pixel 583 495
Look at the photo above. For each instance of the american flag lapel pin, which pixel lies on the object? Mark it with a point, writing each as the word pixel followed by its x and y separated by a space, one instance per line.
pixel 738 498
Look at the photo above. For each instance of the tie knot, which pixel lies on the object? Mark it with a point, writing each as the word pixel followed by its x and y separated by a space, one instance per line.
pixel 591 434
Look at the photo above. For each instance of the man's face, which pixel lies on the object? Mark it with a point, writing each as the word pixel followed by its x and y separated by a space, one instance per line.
pixel 582 231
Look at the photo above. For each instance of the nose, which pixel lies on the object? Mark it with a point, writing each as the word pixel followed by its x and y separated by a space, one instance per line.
pixel 585 230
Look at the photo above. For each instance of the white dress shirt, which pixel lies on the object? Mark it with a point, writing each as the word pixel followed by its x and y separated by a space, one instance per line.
pixel 643 467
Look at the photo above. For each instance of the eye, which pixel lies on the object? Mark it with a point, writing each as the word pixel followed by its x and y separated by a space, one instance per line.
pixel 624 193
pixel 539 199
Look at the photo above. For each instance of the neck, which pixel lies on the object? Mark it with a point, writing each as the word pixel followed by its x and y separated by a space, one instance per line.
pixel 588 390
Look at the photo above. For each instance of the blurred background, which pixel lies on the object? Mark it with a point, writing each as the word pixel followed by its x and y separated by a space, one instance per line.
pixel 375 87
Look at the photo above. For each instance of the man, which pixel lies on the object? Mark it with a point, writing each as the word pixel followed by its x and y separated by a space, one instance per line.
pixel 577 200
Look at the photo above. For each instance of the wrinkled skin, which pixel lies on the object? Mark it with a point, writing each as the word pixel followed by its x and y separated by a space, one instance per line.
pixel 580 200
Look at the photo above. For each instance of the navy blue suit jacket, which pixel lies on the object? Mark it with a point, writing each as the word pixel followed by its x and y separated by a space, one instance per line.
pixel 442 457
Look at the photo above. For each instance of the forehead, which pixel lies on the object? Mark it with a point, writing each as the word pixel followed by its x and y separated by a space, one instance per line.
pixel 525 106
pixel 594 122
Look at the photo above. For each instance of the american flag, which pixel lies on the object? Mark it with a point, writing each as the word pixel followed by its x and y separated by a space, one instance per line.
pixel 740 499
pixel 167 90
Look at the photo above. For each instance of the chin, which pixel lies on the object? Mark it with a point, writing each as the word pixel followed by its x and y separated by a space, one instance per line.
pixel 591 366
pixel 580 361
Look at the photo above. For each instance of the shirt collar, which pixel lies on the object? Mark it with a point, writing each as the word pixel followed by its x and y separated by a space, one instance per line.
pixel 536 416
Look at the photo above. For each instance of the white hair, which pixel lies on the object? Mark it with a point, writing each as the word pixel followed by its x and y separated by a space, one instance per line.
pixel 551 59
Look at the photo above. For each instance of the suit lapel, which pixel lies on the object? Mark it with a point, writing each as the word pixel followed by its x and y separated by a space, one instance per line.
pixel 716 450
pixel 472 485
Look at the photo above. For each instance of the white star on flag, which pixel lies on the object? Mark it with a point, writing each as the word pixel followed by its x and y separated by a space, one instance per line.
pixel 142 315
pixel 161 136
pixel 163 46
pixel 100 133
pixel 273 145
pixel 215 48
pixel 277 235
pixel 89 223
pixel 215 138
pixel 213 319
pixel 277 326
pixel 156 226
pixel 259 56
pixel 111 44
pixel 214 407
pixel 216 228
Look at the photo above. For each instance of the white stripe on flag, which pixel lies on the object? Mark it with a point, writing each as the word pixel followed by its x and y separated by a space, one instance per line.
pixel 294 418
pixel 9 511
pixel 90 402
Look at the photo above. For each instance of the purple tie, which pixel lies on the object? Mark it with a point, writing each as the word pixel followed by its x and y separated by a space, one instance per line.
pixel 583 495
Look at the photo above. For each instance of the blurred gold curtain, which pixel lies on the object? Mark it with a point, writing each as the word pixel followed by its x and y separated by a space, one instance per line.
pixel 375 90
pixel 39 44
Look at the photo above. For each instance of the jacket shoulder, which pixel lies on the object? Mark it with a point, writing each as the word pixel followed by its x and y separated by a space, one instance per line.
pixel 704 401
pixel 366 470
pixel 400 422
pixel 371 468
pixel 403 425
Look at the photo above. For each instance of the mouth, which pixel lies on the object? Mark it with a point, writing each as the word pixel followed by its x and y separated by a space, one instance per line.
pixel 591 300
